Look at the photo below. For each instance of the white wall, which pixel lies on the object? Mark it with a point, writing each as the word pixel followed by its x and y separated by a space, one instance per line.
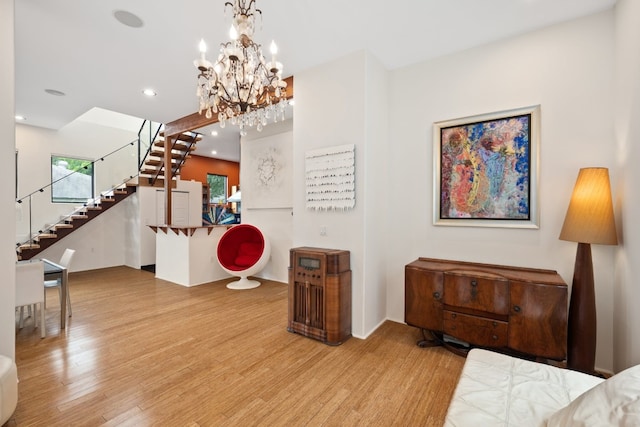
pixel 380 208
pixel 626 339
pixel 334 106
pixel 136 233
pixel 98 244
pixel 147 213
pixel 567 70
pixel 7 176
pixel 275 222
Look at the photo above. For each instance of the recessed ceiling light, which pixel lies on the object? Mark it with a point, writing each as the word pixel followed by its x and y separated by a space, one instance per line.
pixel 20 118
pixel 214 152
pixel 149 92
pixel 128 19
pixel 214 133
pixel 55 92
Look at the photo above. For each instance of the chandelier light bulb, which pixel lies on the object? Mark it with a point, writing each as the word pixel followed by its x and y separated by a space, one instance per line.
pixel 233 33
pixel 202 63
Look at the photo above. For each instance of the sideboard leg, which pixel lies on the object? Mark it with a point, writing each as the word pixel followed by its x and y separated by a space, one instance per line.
pixel 432 340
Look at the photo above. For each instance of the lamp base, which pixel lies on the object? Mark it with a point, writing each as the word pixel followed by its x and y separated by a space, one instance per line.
pixel 581 345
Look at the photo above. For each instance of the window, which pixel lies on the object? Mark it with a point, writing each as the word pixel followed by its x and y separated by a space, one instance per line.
pixel 217 188
pixel 72 180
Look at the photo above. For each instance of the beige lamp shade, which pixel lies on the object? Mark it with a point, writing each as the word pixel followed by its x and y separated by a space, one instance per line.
pixel 590 218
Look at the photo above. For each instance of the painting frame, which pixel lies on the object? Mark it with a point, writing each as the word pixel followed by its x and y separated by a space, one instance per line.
pixel 486 170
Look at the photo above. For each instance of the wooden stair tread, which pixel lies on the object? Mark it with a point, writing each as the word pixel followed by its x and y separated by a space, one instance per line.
pixel 186 136
pixel 159 162
pixel 27 246
pixel 159 182
pixel 159 172
pixel 158 153
pixel 177 146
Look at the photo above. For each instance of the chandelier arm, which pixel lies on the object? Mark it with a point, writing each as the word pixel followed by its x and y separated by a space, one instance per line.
pixel 235 79
pixel 218 82
pixel 256 72
pixel 256 9
pixel 262 101
pixel 227 102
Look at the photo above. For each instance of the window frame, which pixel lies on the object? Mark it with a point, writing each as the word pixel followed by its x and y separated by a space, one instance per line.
pixel 226 188
pixel 86 164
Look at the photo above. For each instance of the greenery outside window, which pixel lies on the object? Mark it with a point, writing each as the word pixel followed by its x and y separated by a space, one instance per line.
pixel 217 188
pixel 72 180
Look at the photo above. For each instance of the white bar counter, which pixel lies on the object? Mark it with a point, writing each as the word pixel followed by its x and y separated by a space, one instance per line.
pixel 188 255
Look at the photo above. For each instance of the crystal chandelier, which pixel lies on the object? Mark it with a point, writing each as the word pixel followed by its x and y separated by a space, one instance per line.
pixel 241 87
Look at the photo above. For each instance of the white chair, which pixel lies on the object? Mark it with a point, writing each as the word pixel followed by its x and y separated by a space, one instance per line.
pixel 65 261
pixel 29 290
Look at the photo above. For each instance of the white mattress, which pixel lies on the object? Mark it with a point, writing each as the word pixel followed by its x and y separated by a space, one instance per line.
pixel 499 390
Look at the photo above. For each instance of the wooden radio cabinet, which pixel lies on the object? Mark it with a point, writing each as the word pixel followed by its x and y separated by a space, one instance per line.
pixel 523 310
pixel 320 294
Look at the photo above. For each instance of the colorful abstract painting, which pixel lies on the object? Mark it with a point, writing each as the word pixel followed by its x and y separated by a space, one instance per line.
pixel 485 169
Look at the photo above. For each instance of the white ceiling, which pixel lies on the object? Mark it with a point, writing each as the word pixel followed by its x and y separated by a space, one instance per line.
pixel 79 48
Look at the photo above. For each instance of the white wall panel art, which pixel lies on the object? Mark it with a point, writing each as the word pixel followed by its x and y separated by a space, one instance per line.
pixel 330 178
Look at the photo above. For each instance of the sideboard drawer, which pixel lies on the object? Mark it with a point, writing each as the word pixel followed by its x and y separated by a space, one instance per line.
pixel 476 330
pixel 476 292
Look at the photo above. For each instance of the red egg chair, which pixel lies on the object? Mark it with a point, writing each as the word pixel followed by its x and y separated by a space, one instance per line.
pixel 243 251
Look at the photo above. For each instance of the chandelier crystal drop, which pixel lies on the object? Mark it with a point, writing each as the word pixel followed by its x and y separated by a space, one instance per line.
pixel 241 87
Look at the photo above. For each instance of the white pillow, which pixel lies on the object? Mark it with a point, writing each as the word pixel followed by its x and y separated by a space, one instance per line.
pixel 614 402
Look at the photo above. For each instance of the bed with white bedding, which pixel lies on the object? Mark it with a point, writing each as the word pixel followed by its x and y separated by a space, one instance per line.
pixel 499 390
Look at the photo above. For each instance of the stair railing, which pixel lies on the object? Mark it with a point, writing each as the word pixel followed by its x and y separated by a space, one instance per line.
pixel 190 143
pixel 147 134
pixel 108 171
pixel 178 146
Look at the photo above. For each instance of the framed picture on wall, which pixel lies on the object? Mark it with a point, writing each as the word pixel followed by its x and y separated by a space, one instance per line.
pixel 486 169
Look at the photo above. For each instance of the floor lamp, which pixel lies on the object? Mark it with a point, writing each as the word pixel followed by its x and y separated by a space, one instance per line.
pixel 589 220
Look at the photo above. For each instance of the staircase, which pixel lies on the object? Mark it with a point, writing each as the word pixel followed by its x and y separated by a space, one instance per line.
pixel 151 173
pixel 72 222
pixel 153 170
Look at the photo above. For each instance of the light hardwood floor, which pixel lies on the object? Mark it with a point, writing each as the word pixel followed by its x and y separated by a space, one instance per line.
pixel 140 351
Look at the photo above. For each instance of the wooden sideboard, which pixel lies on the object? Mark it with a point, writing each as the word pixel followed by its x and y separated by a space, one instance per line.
pixel 521 310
